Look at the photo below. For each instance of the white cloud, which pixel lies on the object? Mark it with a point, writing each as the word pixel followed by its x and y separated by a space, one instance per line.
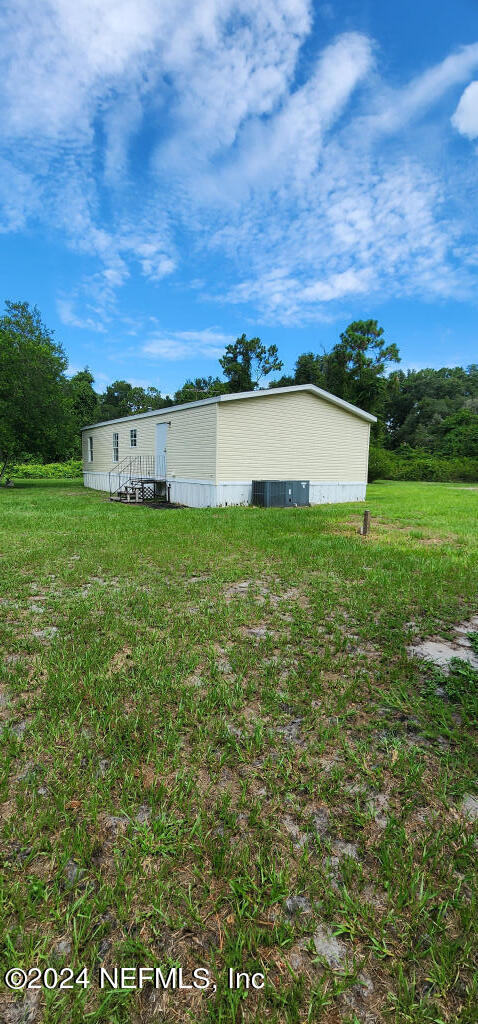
pixel 349 282
pixel 179 345
pixel 465 118
pixel 397 107
pixel 288 144
pixel 69 317
pixel 62 58
pixel 67 62
pixel 358 230
pixel 18 197
pixel 146 133
pixel 206 337
pixel 78 82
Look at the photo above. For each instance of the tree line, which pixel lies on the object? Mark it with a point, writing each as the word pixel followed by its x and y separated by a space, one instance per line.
pixel 42 409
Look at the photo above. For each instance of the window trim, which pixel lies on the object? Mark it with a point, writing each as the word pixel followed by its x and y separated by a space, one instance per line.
pixel 135 432
pixel 115 446
pixel 90 448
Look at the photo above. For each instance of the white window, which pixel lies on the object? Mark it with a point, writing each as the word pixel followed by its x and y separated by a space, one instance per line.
pixel 132 438
pixel 90 449
pixel 115 447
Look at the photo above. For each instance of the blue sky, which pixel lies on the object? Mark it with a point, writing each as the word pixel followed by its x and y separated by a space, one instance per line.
pixel 173 173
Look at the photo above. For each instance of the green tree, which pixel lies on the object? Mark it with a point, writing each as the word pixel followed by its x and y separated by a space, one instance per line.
pixel 201 387
pixel 421 402
pixel 83 404
pixel 247 361
pixel 84 399
pixel 459 434
pixel 34 406
pixel 355 368
pixel 286 381
pixel 123 399
pixel 310 369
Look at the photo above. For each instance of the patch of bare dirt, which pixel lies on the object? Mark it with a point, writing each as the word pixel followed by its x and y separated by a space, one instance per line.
pixel 25 1010
pixel 292 829
pixel 331 677
pixel 121 661
pixel 45 634
pixel 379 528
pixel 222 661
pixel 259 632
pixel 244 588
pixel 195 680
pixel 99 581
pixel 441 652
pixel 291 732
pixel 262 592
pixel 330 948
pixel 469 806
pixel 148 775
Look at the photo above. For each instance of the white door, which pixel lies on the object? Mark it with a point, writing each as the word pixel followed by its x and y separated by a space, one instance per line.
pixel 161 437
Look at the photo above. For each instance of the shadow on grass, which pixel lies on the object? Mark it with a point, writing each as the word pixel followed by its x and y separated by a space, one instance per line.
pixel 51 482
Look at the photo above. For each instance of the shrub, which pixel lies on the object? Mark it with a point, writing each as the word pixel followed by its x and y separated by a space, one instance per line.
pixel 380 464
pixel 437 468
pixel 71 470
pixel 416 464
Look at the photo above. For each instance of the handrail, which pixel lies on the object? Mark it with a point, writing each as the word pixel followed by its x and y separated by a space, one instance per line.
pixel 131 467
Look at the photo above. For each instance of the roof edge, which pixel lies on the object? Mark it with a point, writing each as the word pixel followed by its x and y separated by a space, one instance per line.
pixel 264 392
pixel 152 412
pixel 326 395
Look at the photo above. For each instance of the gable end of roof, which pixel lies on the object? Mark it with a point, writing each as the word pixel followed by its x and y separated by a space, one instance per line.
pixel 265 392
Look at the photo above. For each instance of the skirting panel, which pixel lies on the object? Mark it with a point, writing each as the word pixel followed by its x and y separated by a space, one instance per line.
pixel 194 493
pixel 203 494
pixel 101 481
pixel 199 494
pixel 330 493
pixel 98 481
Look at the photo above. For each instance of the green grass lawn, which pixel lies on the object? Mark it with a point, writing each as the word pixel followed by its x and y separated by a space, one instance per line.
pixel 196 773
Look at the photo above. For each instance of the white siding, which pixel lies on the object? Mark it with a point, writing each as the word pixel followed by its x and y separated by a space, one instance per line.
pixel 191 444
pixel 291 436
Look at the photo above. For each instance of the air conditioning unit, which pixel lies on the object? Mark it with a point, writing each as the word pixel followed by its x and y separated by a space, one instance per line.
pixel 280 493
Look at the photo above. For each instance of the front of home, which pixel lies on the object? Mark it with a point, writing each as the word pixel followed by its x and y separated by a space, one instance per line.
pixel 209 452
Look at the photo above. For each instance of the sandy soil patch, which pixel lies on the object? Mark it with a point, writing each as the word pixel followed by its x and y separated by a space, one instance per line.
pixel 441 652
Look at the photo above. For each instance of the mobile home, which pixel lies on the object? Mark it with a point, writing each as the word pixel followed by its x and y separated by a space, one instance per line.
pixel 208 453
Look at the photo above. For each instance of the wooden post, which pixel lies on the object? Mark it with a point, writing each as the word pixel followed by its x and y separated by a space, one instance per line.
pixel 366 523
